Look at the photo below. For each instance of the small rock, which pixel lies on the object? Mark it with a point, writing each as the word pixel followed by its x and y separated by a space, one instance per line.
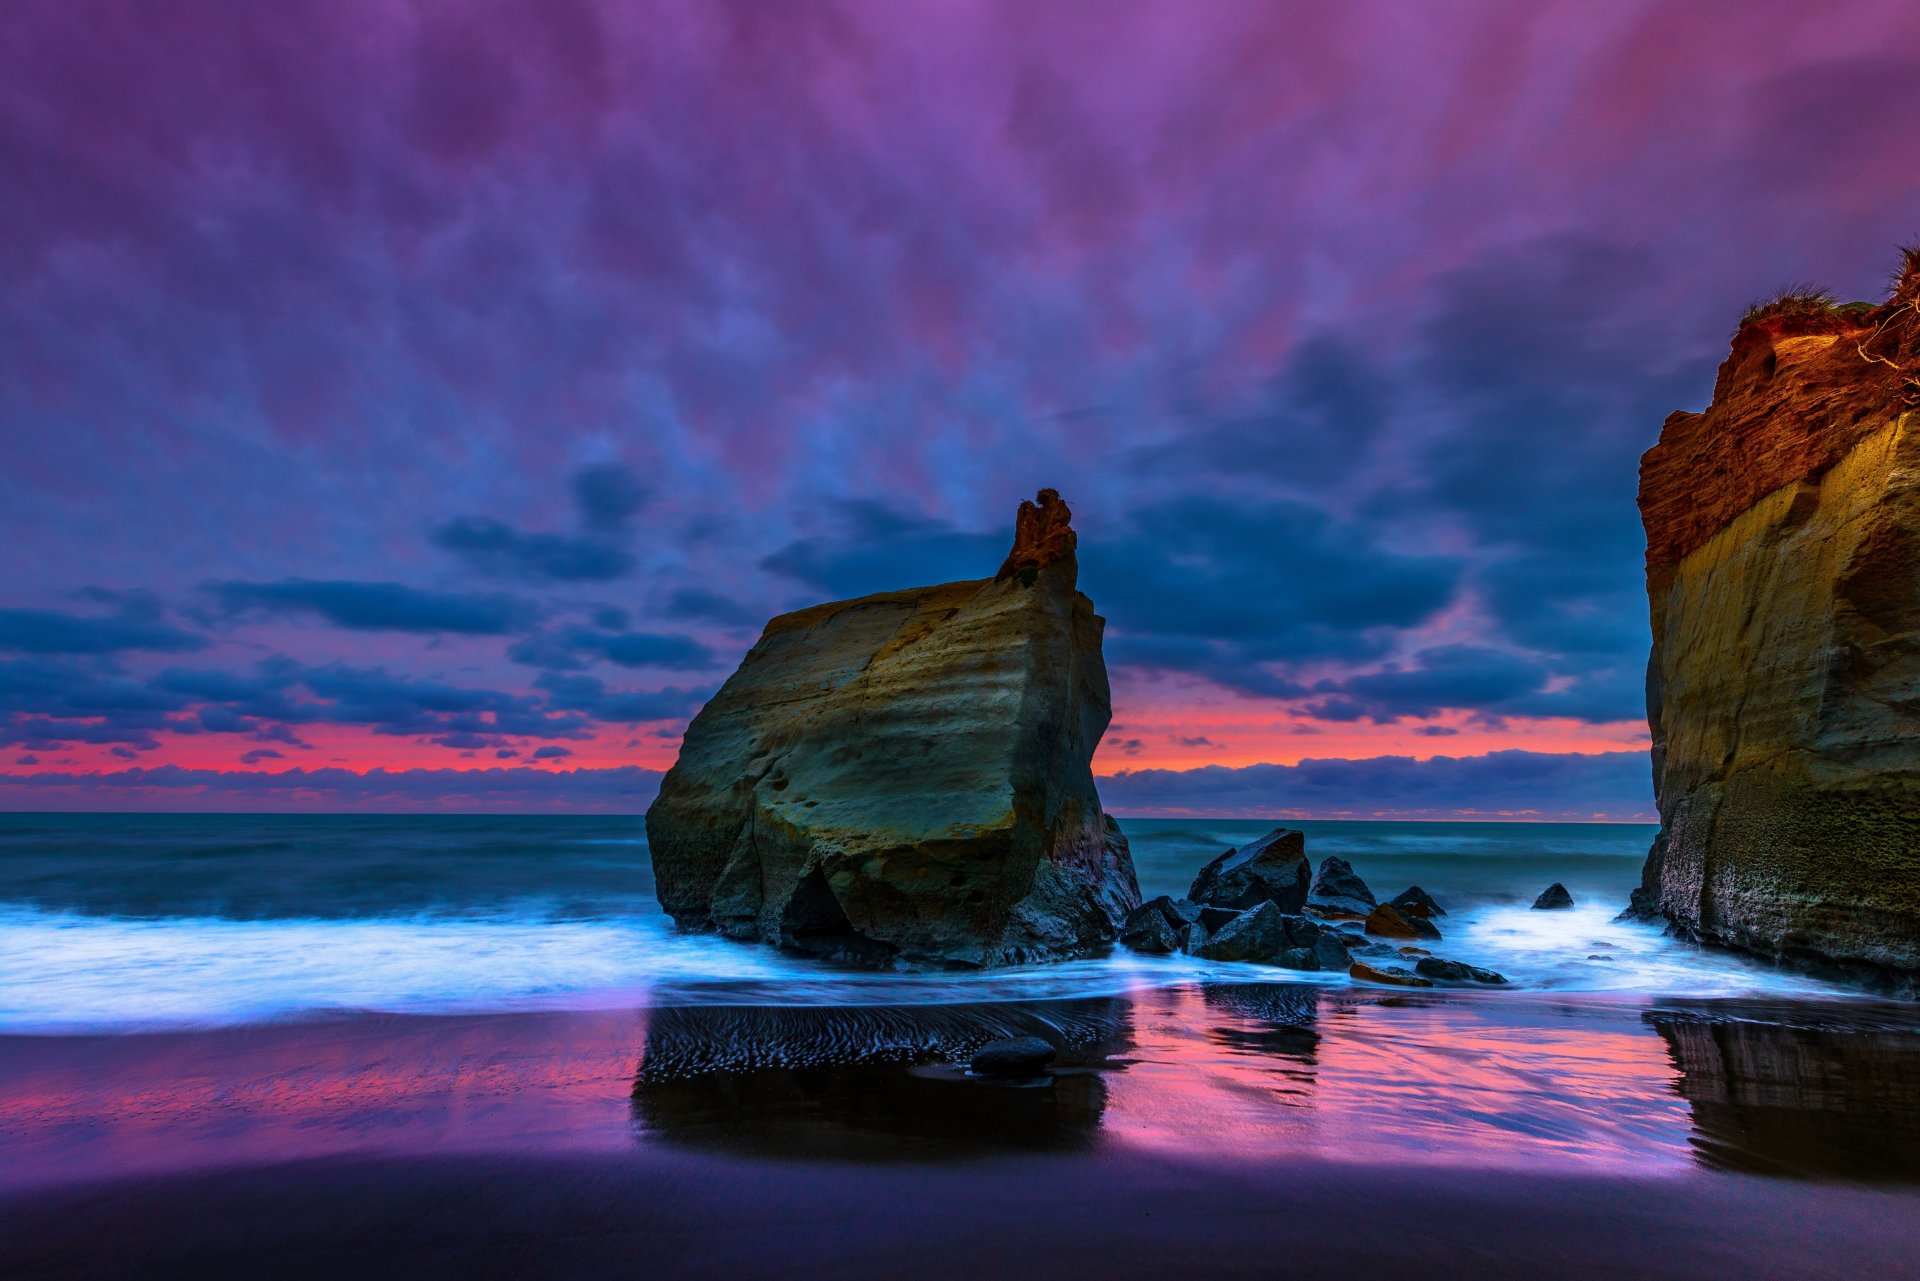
pixel 1338 891
pixel 1148 931
pixel 1415 901
pixel 1554 897
pixel 1456 971
pixel 1415 951
pixel 1013 1056
pixel 1595 956
pixel 1393 975
pixel 1163 925
pixel 1271 870
pixel 1215 919
pixel 1387 921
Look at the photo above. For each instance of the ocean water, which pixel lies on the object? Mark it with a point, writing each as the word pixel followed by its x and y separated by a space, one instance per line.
pixel 133 922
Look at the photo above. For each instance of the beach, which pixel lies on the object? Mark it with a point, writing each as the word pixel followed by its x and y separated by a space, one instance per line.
pixel 1220 1129
pixel 422 1047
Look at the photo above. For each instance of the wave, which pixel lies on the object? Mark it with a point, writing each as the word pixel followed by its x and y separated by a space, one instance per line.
pixel 63 971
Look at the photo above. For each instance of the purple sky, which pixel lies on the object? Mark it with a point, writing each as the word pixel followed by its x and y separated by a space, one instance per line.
pixel 442 386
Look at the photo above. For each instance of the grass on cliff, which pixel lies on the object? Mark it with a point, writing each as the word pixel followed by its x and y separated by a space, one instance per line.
pixel 1906 276
pixel 1794 300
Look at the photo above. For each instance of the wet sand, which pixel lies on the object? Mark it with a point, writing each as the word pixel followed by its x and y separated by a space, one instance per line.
pixel 1219 1130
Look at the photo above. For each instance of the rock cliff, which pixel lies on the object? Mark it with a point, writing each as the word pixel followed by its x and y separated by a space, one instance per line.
pixel 907 776
pixel 1783 574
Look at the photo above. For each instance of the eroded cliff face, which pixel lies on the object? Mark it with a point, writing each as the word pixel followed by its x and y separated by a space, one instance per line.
pixel 1783 575
pixel 908 775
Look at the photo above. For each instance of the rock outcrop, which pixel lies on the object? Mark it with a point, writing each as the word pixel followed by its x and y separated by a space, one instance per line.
pixel 1783 574
pixel 906 776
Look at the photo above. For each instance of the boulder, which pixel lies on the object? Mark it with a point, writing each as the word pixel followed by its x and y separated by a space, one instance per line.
pixel 1434 967
pixel 1388 921
pixel 1013 1056
pixel 1783 579
pixel 1272 869
pixel 1217 918
pixel 1415 901
pixel 1553 898
pixel 907 777
pixel 1337 890
pixel 1268 936
pixel 1148 931
pixel 1163 925
pixel 1391 975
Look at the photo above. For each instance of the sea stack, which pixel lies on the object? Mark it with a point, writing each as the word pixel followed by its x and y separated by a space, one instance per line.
pixel 907 777
pixel 1783 573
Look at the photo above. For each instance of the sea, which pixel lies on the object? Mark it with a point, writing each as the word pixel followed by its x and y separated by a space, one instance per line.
pixel 112 922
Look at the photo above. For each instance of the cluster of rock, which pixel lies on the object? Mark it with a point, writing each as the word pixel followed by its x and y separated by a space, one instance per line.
pixel 1783 578
pixel 1263 903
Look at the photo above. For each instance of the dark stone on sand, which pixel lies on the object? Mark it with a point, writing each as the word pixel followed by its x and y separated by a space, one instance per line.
pixel 1014 1056
pixel 1272 869
pixel 1388 921
pixel 1268 936
pixel 1553 898
pixel 1415 901
pixel 1338 889
pixel 1392 975
pixel 1456 971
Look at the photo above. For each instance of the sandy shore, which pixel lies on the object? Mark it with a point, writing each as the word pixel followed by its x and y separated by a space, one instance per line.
pixel 1217 1130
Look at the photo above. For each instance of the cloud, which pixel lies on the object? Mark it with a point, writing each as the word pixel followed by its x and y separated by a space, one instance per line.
pixel 374 606
pixel 498 548
pixel 1611 785
pixel 45 631
pixel 609 495
pixel 573 648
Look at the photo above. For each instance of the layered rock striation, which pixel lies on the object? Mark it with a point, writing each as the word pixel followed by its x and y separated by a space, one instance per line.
pixel 1783 692
pixel 907 776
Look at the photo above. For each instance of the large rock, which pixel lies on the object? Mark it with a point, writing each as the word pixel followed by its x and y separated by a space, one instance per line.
pixel 1272 869
pixel 1267 935
pixel 907 776
pixel 1338 890
pixel 1783 573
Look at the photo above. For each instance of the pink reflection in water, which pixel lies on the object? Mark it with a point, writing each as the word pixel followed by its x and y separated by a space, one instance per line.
pixel 1460 1079
pixel 1257 1070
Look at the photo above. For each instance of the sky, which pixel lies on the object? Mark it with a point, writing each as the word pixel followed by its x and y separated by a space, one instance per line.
pixel 423 405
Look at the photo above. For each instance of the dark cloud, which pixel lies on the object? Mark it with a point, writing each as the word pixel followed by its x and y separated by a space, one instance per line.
pixel 609 495
pixel 374 606
pixel 1613 785
pixel 551 753
pixel 591 697
pixel 133 627
pixel 259 754
pixel 498 548
pixel 872 547
pixel 574 648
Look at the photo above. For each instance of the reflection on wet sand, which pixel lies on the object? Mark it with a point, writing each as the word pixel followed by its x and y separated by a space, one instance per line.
pixel 1799 1089
pixel 1275 1071
pixel 874 1083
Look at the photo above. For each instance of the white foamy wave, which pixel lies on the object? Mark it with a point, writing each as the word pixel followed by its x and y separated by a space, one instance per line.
pixel 63 971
